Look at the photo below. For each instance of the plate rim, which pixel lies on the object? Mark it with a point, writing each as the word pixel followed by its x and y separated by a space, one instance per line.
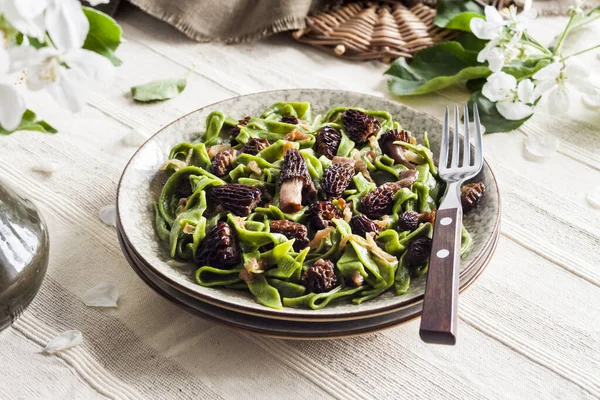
pixel 265 332
pixel 281 314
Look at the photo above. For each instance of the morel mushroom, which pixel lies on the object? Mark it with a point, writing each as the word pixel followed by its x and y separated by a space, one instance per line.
pixel 237 198
pixel 395 151
pixel 255 146
pixel 290 119
pixel 471 195
pixel 327 142
pixel 378 203
pixel 295 182
pixel 236 129
pixel 219 248
pixel 418 251
pixel 359 126
pixel 222 162
pixel 336 178
pixel 361 225
pixel 291 230
pixel 321 213
pixel 320 277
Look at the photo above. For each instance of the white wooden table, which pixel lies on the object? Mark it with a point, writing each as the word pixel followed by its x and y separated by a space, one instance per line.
pixel 529 327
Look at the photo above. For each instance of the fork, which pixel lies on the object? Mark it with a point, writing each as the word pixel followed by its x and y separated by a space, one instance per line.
pixel 439 316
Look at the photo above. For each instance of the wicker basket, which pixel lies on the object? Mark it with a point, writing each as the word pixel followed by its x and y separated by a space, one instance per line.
pixel 381 30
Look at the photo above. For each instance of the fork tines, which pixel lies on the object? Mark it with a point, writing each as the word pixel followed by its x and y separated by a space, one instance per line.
pixel 470 165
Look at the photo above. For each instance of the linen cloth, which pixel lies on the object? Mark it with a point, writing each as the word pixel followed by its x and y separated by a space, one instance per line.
pixel 234 21
pixel 529 327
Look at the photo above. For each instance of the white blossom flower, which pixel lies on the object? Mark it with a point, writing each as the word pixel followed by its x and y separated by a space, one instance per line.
pixel 512 100
pixel 519 22
pixel 555 81
pixel 26 16
pixel 489 28
pixel 504 31
pixel 68 85
pixel 12 105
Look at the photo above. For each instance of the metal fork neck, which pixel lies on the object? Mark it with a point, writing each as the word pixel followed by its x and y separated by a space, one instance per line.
pixel 452 196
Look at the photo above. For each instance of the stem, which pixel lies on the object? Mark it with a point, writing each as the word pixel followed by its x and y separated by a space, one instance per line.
pixel 564 35
pixel 536 44
pixel 581 52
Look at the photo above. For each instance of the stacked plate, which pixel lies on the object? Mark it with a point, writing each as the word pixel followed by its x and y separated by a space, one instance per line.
pixel 140 186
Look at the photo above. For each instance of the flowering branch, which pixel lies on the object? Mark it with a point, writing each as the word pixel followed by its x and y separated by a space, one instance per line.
pixel 56 45
pixel 510 73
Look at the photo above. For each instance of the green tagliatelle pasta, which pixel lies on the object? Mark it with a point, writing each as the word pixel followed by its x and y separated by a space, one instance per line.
pixel 302 210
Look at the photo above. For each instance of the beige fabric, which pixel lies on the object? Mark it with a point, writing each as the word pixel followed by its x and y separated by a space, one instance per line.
pixel 233 20
pixel 529 328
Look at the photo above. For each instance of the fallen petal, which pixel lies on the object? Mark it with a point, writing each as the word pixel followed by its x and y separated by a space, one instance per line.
pixel 541 145
pixel 592 101
pixel 108 215
pixel 64 341
pixel 46 166
pixel 134 138
pixel 593 197
pixel 102 295
pixel 472 127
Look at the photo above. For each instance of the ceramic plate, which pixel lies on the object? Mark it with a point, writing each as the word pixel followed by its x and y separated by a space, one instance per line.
pixel 288 329
pixel 141 183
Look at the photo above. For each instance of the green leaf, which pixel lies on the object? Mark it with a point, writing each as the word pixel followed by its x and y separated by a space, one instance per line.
pixel 104 35
pixel 159 90
pixel 29 123
pixel 447 10
pixel 462 22
pixel 522 70
pixel 435 68
pixel 490 117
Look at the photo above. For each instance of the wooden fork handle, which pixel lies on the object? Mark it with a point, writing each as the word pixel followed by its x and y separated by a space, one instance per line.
pixel 439 316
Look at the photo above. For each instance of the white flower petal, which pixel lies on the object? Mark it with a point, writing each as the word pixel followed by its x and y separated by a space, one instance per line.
pixel 526 91
pixel 67 24
pixel 558 101
pixel 23 57
pixel 30 9
pixel 593 100
pixel 94 3
pixel 527 15
pixel 93 65
pixel 514 110
pixel 45 74
pixel 46 166
pixel 582 85
pixel 478 27
pixel 108 215
pixel 71 90
pixel 593 197
pixel 134 138
pixel 543 86
pixel 574 69
pixel 550 71
pixel 64 341
pixel 34 27
pixel 541 145
pixel 12 107
pixel 492 15
pixel 102 295
pixel 498 86
pixel 495 59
